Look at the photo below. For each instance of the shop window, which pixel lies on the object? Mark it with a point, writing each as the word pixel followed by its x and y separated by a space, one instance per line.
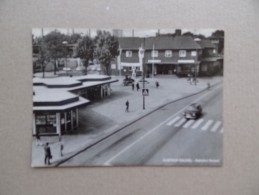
pixel 182 53
pixel 154 54
pixel 45 123
pixel 194 53
pixel 168 53
pixel 128 54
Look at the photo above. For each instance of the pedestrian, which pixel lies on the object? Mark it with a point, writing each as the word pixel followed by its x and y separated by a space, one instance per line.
pixel 127 106
pixel 157 84
pixel 48 155
pixel 38 141
pixel 137 86
pixel 132 86
pixel 208 85
pixel 61 149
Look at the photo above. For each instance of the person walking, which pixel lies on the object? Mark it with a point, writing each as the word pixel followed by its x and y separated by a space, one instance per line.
pixel 157 84
pixel 132 85
pixel 48 155
pixel 137 86
pixel 127 106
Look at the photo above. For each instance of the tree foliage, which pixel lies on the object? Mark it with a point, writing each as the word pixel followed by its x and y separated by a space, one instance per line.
pixel 74 38
pixel 54 47
pixel 85 50
pixel 106 49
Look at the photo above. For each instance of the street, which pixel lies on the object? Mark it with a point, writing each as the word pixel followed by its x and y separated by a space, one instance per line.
pixel 164 137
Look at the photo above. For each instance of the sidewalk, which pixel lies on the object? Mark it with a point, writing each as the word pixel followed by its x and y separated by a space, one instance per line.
pixel 113 109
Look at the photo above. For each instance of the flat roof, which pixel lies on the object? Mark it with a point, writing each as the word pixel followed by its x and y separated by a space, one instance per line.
pixel 79 103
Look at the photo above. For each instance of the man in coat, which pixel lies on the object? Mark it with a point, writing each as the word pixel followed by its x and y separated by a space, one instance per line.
pixel 48 155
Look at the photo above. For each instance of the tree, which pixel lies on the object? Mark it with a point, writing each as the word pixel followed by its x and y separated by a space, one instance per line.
pixel 219 34
pixel 85 50
pixel 107 48
pixel 74 38
pixel 188 34
pixel 55 48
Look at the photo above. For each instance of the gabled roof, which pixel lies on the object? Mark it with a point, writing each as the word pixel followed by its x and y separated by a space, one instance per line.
pixel 184 42
pixel 206 44
pixel 132 43
pixel 163 42
pixel 160 42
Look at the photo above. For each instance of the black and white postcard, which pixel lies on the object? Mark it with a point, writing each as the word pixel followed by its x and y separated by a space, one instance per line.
pixel 127 97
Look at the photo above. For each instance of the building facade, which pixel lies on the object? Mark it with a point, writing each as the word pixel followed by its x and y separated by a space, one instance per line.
pixel 56 101
pixel 167 54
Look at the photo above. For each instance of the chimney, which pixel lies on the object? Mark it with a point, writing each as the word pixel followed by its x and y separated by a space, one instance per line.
pixel 178 32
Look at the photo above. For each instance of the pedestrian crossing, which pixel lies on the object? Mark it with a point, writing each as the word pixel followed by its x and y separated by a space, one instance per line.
pixel 200 124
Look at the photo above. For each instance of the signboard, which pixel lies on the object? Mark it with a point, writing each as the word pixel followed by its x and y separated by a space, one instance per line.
pixel 145 92
pixel 186 61
pixel 154 61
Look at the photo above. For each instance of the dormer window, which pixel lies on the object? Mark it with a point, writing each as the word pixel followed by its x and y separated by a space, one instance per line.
pixel 128 54
pixel 182 53
pixel 154 54
pixel 168 53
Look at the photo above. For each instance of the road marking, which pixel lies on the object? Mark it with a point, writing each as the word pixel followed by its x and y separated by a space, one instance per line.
pixel 222 130
pixel 173 121
pixel 179 123
pixel 197 123
pixel 188 123
pixel 216 126
pixel 107 163
pixel 206 126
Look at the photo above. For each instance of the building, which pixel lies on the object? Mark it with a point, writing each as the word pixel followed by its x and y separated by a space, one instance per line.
pixel 129 61
pixel 211 61
pixel 172 55
pixel 56 101
pixel 162 55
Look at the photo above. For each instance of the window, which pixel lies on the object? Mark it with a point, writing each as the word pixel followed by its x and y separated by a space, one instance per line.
pixel 182 53
pixel 128 54
pixel 194 53
pixel 154 54
pixel 214 51
pixel 168 53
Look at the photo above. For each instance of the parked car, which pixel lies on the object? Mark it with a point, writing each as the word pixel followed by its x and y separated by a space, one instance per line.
pixel 193 111
pixel 141 81
pixel 128 81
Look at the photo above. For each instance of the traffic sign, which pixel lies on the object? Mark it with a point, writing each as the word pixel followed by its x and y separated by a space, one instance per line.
pixel 145 92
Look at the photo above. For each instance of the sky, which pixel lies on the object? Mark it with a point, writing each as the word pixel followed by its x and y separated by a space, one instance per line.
pixel 37 32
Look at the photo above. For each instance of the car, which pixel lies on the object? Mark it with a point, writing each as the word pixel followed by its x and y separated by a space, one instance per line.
pixel 193 111
pixel 141 81
pixel 128 81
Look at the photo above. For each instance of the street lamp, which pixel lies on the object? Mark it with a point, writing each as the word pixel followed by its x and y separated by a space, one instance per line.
pixel 65 43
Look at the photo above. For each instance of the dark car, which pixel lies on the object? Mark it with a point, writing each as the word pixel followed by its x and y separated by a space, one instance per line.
pixel 128 81
pixel 141 81
pixel 193 111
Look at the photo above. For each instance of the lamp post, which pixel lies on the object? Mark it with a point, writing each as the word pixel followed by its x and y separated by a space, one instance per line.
pixel 143 64
pixel 65 44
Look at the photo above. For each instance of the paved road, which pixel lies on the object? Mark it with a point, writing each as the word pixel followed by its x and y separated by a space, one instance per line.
pixel 165 138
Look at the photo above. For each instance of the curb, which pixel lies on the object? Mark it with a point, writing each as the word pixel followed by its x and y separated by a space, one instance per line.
pixel 128 124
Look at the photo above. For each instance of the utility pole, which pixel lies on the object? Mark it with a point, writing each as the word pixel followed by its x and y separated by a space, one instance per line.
pixel 143 62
